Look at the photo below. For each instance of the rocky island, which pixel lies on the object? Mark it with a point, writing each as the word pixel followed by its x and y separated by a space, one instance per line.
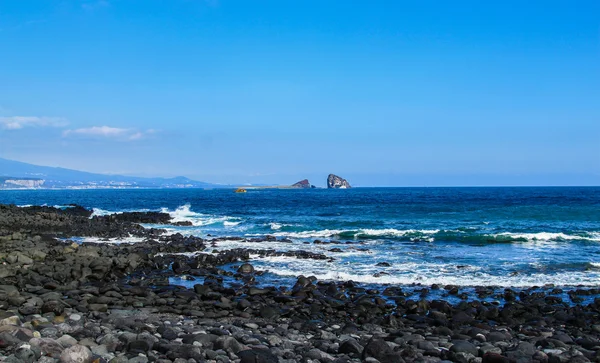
pixel 303 184
pixel 336 182
pixel 68 301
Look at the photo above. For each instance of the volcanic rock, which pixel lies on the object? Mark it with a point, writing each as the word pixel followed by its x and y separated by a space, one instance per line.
pixel 302 184
pixel 336 182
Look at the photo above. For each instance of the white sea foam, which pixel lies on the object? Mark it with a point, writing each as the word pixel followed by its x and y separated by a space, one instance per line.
pixel 273 245
pixel 185 214
pixel 427 276
pixel 395 232
pixel 549 236
pixel 102 212
pixel 327 233
pixel 119 240
pixel 186 254
pixel 430 235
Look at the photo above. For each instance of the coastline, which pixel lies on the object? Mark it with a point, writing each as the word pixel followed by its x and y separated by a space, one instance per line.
pixel 114 302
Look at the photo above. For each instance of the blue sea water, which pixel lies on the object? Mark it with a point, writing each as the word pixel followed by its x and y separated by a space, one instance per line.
pixel 510 237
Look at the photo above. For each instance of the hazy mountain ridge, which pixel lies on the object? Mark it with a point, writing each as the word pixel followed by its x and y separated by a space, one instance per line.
pixel 13 172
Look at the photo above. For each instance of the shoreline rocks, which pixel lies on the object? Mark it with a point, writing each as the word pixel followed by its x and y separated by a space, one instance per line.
pixel 67 302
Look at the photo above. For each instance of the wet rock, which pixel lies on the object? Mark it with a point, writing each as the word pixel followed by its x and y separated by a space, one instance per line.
pixel 246 269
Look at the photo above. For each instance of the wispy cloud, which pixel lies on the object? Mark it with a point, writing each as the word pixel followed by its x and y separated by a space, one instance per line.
pixel 19 122
pixel 116 133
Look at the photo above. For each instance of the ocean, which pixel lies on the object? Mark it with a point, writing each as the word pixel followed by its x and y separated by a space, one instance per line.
pixel 505 236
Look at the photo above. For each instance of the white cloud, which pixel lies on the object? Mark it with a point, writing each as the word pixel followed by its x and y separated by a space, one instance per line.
pixel 97 131
pixel 19 122
pixel 136 136
pixel 109 132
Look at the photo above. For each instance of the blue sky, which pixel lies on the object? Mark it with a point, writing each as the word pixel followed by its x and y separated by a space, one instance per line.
pixel 382 92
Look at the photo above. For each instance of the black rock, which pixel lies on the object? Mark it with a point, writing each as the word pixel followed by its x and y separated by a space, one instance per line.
pixel 380 350
pixel 257 356
pixel 53 306
pixel 269 312
pixel 494 358
pixel 8 340
pixel 463 346
pixel 185 351
pixel 138 346
pixel 167 333
pixel 229 344
pixel 350 346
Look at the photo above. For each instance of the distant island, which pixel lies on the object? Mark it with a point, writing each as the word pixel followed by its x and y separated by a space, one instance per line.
pixel 337 182
pixel 20 175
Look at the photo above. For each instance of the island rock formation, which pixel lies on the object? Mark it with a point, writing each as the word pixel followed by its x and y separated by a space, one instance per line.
pixel 336 182
pixel 304 184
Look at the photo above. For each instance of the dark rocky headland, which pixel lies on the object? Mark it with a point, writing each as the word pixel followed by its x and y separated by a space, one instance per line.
pixel 93 302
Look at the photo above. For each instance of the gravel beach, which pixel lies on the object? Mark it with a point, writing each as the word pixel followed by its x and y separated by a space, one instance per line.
pixel 113 302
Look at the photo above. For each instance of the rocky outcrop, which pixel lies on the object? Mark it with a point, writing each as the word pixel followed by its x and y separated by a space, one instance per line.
pixel 93 302
pixel 303 184
pixel 336 182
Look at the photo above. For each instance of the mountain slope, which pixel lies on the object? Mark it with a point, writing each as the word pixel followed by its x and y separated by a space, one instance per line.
pixel 61 177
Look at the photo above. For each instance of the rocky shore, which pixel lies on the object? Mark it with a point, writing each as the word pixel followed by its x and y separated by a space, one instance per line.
pixel 93 302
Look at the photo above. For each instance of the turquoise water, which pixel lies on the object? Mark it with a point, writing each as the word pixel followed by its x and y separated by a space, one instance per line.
pixel 517 237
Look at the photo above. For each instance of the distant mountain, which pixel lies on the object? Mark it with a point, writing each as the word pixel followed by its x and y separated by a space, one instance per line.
pixel 16 174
